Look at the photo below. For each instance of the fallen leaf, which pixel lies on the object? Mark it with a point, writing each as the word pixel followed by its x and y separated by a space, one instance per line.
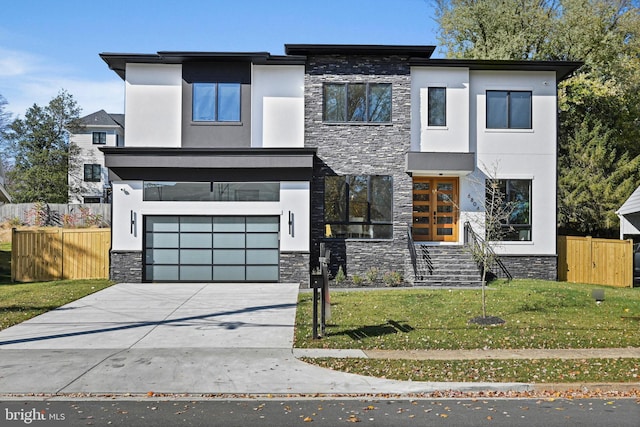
pixel 353 419
pixel 308 419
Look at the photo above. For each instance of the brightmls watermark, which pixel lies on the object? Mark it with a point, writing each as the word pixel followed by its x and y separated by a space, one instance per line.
pixel 32 415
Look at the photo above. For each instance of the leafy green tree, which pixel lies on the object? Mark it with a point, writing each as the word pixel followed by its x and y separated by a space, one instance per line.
pixel 599 163
pixel 40 148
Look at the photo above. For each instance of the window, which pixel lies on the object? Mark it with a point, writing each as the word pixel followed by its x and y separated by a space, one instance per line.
pixel 165 191
pixel 357 103
pixel 99 138
pixel 437 106
pixel 515 196
pixel 508 109
pixel 358 206
pixel 216 102
pixel 92 173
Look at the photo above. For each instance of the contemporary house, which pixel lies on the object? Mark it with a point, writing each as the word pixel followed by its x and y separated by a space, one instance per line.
pixel 237 166
pixel 88 177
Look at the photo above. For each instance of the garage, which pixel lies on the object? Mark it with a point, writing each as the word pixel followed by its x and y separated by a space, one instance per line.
pixel 211 248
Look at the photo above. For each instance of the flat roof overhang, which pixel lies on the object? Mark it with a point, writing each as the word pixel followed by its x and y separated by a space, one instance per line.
pixel 433 163
pixel 213 164
pixel 563 69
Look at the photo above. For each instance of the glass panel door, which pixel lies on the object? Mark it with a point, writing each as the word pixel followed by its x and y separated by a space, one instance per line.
pixel 435 209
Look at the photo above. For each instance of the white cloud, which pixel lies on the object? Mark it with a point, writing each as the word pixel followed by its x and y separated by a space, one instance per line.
pixel 27 79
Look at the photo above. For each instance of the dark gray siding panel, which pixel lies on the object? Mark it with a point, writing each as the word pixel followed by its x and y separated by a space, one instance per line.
pixel 216 135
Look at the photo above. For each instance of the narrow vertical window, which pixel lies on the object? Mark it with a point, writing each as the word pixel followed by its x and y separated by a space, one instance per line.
pixel 437 106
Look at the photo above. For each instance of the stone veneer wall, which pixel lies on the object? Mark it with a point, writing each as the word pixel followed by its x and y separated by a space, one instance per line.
pixel 294 268
pixel 360 149
pixel 126 266
pixel 532 266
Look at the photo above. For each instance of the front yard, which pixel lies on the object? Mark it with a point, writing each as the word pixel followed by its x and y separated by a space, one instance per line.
pixel 538 314
pixel 22 301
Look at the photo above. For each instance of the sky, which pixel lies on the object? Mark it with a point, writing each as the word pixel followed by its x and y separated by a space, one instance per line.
pixel 50 45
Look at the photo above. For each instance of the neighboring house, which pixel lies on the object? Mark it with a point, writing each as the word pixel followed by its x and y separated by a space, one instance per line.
pixel 4 194
pixel 629 214
pixel 239 165
pixel 88 177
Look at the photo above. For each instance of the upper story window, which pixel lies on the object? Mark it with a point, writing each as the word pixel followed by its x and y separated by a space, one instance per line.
pixel 357 102
pixel 99 137
pixel 92 172
pixel 508 109
pixel 216 102
pixel 437 106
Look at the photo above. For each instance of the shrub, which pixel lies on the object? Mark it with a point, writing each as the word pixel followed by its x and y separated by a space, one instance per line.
pixel 340 276
pixel 357 280
pixel 393 278
pixel 372 275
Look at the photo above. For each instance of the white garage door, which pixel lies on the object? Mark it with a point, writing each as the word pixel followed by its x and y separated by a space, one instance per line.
pixel 211 248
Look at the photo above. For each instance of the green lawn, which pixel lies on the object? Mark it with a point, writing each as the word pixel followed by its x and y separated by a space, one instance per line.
pixel 538 314
pixel 22 301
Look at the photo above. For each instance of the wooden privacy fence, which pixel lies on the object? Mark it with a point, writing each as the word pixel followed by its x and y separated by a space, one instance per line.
pixel 59 253
pixel 595 261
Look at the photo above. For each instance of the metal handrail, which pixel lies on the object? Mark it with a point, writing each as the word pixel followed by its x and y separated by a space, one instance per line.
pixel 412 252
pixel 471 238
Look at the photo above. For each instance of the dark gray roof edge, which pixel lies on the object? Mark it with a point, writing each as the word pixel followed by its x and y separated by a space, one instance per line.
pixel 117 61
pixel 420 51
pixel 172 151
pixel 562 68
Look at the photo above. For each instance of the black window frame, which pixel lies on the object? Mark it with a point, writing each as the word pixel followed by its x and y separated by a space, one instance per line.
pixel 100 136
pixel 370 227
pixel 512 229
pixel 90 174
pixel 431 121
pixel 367 100
pixel 509 111
pixel 216 101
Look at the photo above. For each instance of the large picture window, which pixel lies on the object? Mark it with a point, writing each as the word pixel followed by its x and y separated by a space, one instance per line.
pixel 357 102
pixel 516 198
pixel 508 109
pixel 216 102
pixel 358 207
pixel 166 191
pixel 437 109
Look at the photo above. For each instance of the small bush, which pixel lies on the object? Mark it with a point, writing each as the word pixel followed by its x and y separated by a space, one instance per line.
pixel 372 275
pixel 357 280
pixel 340 276
pixel 393 278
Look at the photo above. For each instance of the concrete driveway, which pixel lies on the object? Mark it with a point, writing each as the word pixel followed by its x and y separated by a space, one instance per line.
pixel 178 338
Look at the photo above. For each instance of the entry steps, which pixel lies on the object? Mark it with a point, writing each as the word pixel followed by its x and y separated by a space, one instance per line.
pixel 446 265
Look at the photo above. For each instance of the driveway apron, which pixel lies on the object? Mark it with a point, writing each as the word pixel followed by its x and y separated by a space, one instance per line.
pixel 212 338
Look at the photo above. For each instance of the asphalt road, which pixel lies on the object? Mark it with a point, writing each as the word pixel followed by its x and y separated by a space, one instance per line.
pixel 317 412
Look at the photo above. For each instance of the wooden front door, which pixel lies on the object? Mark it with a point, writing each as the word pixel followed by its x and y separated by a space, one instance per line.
pixel 435 209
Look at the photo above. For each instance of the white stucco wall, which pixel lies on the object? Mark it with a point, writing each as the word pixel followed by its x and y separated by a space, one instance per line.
pixel 127 198
pixel 454 137
pixel 521 153
pixel 277 106
pixel 153 105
